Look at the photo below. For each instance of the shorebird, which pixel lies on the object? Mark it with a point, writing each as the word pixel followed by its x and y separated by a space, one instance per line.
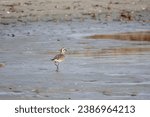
pixel 59 58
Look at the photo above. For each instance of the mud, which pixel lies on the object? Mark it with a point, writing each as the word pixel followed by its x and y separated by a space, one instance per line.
pixel 93 68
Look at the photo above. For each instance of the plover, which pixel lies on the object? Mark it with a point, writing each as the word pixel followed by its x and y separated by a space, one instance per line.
pixel 59 58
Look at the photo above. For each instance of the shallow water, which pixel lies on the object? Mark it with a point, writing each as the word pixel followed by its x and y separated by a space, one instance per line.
pixel 93 69
pixel 130 36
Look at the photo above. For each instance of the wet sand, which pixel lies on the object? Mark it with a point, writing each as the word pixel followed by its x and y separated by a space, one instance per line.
pixel 93 68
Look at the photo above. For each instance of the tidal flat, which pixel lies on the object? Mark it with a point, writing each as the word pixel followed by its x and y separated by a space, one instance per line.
pixel 93 68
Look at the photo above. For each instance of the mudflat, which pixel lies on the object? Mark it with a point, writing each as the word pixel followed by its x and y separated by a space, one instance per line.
pixel 32 32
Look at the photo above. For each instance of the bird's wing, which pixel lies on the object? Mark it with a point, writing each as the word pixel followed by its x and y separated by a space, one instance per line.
pixel 58 56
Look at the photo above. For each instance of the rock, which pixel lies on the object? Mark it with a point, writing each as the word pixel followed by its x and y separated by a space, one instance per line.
pixel 13 35
pixel 2 65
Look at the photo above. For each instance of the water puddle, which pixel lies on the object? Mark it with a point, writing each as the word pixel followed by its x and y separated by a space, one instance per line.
pixel 111 51
pixel 130 36
pixel 11 93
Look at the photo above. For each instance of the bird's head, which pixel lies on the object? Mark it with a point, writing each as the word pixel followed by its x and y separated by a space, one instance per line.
pixel 63 50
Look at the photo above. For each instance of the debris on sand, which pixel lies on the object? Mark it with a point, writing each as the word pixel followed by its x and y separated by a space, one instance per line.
pixel 2 65
pixel 126 15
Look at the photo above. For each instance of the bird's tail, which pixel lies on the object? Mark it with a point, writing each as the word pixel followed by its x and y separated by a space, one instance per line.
pixel 52 59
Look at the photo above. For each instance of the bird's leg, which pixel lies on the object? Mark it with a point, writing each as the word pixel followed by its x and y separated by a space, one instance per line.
pixel 57 65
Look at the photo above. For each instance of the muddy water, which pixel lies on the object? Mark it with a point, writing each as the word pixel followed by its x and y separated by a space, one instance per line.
pixel 93 68
pixel 131 36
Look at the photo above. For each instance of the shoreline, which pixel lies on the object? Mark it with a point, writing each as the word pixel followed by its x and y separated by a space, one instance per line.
pixel 70 10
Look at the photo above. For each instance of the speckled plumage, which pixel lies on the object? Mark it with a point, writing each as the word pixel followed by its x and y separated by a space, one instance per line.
pixel 59 58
